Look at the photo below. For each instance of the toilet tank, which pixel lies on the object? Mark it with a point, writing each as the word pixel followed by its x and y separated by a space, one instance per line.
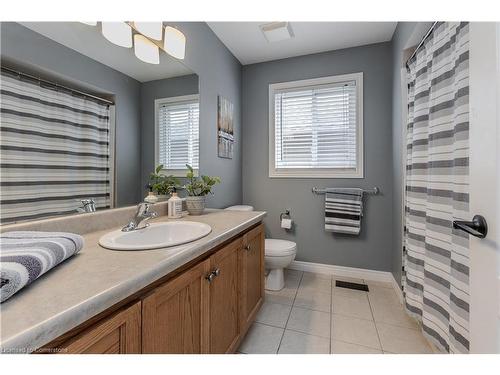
pixel 240 208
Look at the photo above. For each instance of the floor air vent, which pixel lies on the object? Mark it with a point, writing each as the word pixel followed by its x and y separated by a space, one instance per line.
pixel 348 285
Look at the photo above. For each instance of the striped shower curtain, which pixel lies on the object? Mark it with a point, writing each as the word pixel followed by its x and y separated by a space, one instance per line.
pixel 54 150
pixel 436 264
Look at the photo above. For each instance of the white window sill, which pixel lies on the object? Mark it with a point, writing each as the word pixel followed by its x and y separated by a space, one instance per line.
pixel 178 172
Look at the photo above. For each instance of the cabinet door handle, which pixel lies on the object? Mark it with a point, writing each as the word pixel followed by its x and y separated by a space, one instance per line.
pixel 247 247
pixel 210 277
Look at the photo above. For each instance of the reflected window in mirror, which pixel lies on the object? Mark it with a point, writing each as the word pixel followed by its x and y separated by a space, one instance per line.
pixel 177 133
pixel 56 150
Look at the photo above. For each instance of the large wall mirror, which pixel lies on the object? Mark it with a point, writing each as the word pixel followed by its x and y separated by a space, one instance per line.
pixel 76 116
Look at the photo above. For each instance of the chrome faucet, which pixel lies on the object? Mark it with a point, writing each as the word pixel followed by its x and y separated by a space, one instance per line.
pixel 143 214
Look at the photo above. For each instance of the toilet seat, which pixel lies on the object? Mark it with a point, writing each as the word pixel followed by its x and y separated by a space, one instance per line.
pixel 279 248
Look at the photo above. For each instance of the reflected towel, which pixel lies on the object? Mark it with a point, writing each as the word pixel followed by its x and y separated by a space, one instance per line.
pixel 343 210
pixel 25 256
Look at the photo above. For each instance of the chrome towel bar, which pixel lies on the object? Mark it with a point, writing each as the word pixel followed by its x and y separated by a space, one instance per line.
pixel 316 190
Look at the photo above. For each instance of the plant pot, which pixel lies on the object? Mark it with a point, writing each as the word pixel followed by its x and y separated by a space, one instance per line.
pixel 163 197
pixel 195 205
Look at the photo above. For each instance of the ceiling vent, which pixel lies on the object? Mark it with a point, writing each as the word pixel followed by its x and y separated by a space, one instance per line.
pixel 277 31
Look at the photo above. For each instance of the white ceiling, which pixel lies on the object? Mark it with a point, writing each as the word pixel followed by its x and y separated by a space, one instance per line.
pixel 247 43
pixel 89 41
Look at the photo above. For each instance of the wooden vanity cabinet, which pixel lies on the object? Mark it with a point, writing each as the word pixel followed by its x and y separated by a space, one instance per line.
pixel 175 315
pixel 207 308
pixel 252 268
pixel 117 334
pixel 198 311
pixel 224 299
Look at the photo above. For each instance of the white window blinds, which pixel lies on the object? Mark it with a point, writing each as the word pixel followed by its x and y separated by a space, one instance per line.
pixel 315 127
pixel 178 134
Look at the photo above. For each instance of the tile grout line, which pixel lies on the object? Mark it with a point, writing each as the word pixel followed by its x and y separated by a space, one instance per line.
pixel 374 322
pixel 331 315
pixel 363 345
pixel 290 313
pixel 306 333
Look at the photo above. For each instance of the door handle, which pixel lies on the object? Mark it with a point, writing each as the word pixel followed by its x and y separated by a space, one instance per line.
pixel 477 227
pixel 210 277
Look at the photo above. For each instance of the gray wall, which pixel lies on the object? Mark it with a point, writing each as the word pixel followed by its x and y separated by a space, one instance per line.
pixel 373 248
pixel 219 72
pixel 150 91
pixel 29 49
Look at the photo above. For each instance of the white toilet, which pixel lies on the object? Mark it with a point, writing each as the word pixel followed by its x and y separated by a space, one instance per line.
pixel 278 255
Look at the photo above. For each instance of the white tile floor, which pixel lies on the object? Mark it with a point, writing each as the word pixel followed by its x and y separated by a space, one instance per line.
pixel 313 316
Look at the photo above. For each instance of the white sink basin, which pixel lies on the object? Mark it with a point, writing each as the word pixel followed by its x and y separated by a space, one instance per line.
pixel 155 236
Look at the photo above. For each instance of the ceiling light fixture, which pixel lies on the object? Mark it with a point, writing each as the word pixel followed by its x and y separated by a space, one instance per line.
pixel 118 33
pixel 277 31
pixel 146 50
pixel 153 30
pixel 174 43
pixel 148 38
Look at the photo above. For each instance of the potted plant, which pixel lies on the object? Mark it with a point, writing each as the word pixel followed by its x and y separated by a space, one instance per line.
pixel 161 184
pixel 198 189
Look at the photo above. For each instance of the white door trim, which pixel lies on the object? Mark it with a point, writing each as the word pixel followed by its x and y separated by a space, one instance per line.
pixel 484 174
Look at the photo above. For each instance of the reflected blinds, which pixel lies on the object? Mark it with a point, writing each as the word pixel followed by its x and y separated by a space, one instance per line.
pixel 178 140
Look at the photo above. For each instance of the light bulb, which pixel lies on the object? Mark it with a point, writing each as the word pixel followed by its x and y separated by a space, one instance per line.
pixel 118 33
pixel 146 50
pixel 153 30
pixel 174 43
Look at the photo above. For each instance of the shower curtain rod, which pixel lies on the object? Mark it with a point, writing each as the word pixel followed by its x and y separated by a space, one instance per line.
pixel 56 85
pixel 421 42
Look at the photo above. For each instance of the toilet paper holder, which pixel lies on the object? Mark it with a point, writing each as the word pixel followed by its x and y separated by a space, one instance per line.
pixel 285 215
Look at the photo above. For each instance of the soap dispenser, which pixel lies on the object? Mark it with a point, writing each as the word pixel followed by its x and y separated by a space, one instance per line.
pixel 151 197
pixel 174 206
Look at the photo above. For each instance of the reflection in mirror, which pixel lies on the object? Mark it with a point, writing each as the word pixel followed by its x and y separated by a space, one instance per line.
pixel 79 114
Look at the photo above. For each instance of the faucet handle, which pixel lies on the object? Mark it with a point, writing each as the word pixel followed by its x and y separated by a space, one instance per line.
pixel 142 208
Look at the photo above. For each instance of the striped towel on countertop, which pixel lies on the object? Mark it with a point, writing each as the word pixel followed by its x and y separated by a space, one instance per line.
pixel 343 210
pixel 25 256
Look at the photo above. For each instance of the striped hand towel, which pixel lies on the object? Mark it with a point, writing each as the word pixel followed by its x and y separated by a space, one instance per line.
pixel 343 210
pixel 25 256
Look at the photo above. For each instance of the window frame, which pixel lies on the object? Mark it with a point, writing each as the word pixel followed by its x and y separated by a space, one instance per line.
pixel 318 172
pixel 158 103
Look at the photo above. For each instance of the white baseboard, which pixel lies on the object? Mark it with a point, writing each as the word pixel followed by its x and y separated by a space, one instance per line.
pixel 356 273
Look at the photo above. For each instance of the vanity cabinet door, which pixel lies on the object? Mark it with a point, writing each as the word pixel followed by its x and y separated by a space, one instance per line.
pixel 175 315
pixel 118 334
pixel 224 297
pixel 251 261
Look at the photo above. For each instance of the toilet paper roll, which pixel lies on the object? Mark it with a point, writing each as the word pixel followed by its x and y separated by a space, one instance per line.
pixel 286 223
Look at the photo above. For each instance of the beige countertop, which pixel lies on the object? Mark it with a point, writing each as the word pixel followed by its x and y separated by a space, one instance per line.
pixel 96 279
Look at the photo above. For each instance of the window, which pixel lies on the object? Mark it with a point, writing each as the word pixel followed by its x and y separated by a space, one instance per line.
pixel 177 133
pixel 316 128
